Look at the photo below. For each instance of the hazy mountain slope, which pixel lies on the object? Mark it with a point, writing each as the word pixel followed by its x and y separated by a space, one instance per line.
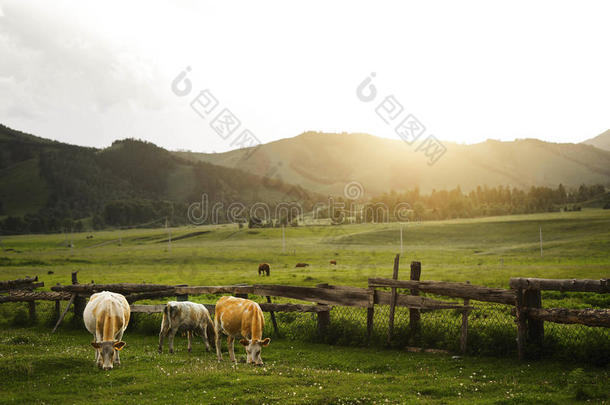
pixel 601 141
pixel 326 162
pixel 68 181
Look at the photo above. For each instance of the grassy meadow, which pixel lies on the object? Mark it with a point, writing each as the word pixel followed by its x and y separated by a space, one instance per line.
pixel 41 368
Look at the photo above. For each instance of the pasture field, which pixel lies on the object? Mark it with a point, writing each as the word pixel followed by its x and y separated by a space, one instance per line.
pixel 38 367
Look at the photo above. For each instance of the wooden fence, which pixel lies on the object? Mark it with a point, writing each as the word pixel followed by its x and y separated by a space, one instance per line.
pixel 524 295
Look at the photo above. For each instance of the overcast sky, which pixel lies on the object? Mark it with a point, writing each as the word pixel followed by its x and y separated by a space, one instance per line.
pixel 90 74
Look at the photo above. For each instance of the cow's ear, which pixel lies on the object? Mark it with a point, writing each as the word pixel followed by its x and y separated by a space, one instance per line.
pixel 95 345
pixel 119 345
pixel 244 342
pixel 265 342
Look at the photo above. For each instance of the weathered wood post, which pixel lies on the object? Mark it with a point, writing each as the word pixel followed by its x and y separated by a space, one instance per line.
pixel 323 321
pixel 414 314
pixel 273 320
pixel 32 311
pixel 323 316
pixel 393 300
pixel 464 332
pixel 57 310
pixel 370 314
pixel 79 301
pixel 535 327
pixel 521 324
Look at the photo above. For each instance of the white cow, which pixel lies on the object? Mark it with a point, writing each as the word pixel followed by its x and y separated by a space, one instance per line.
pixel 184 315
pixel 106 316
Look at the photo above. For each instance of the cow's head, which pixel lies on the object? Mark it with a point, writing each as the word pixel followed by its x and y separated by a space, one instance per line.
pixel 253 349
pixel 106 352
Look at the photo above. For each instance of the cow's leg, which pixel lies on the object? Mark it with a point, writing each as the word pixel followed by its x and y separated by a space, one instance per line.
pixel 97 352
pixel 188 336
pixel 230 341
pixel 98 338
pixel 172 334
pixel 204 336
pixel 217 337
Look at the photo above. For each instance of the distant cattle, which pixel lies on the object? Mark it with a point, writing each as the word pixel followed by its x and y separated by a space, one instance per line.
pixel 106 316
pixel 187 316
pixel 302 265
pixel 263 268
pixel 333 262
pixel 240 317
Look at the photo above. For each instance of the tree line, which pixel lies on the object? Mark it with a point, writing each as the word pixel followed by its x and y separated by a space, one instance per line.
pixel 483 201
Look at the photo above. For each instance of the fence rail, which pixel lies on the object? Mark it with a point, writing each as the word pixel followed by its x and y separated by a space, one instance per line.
pixel 523 296
pixel 597 286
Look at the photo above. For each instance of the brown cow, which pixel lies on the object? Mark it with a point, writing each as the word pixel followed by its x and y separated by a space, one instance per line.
pixel 240 317
pixel 302 265
pixel 263 268
pixel 333 262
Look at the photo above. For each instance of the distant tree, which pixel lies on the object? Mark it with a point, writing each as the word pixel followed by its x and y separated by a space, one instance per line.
pixel 97 222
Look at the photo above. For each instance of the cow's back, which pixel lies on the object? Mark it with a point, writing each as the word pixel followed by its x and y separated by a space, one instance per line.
pixel 107 313
pixel 187 314
pixel 238 316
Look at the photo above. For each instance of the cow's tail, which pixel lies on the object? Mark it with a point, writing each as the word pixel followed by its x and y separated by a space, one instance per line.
pixel 209 318
pixel 167 312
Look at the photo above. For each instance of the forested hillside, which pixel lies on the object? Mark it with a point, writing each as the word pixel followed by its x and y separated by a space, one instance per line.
pixel 48 186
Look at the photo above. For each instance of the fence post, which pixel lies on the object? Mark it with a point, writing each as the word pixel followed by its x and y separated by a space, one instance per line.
pixel 370 314
pixel 535 327
pixel 79 301
pixel 414 314
pixel 323 321
pixel 464 334
pixel 521 324
pixel 57 310
pixel 32 310
pixel 324 316
pixel 273 320
pixel 393 300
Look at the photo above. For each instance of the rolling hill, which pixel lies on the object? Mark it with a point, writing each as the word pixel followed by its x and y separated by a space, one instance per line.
pixel 326 162
pixel 601 141
pixel 48 179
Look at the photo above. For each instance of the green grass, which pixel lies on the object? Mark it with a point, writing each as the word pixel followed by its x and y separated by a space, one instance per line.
pixel 59 368
pixel 38 367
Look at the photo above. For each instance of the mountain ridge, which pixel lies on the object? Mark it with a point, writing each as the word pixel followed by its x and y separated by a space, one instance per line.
pixel 325 162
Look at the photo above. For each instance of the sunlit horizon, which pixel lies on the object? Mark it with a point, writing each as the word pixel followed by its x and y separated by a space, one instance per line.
pixel 90 75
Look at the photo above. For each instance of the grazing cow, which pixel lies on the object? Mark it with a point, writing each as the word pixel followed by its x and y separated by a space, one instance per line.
pixel 263 268
pixel 240 317
pixel 302 265
pixel 333 262
pixel 106 316
pixel 187 316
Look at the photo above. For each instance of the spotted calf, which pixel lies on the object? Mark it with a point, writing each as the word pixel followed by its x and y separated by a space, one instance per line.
pixel 184 315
